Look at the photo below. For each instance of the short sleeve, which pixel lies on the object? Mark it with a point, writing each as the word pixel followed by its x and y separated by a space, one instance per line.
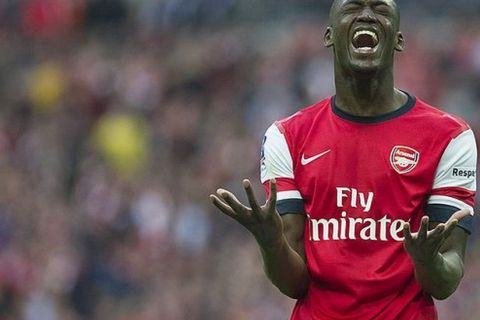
pixel 276 162
pixel 454 185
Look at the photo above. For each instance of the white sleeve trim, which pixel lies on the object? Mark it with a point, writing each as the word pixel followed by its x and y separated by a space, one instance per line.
pixel 276 158
pixel 457 167
pixel 284 195
pixel 449 201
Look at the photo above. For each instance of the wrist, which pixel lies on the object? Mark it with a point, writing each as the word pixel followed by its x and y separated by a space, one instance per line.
pixel 272 243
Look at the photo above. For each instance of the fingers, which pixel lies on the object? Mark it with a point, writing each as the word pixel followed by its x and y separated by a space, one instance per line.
pixel 272 199
pixel 438 231
pixel 225 208
pixel 407 232
pixel 449 227
pixel 425 245
pixel 251 196
pixel 436 237
pixel 231 200
pixel 422 233
pixel 459 215
pixel 453 221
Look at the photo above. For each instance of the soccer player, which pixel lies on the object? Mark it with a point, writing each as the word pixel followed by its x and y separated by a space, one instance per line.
pixel 348 178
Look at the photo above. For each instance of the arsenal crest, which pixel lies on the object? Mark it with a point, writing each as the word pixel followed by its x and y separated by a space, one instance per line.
pixel 404 159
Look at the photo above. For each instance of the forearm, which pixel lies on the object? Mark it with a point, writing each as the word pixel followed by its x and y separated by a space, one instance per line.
pixel 441 276
pixel 285 268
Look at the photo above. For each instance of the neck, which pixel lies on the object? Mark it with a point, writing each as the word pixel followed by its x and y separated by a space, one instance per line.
pixel 369 94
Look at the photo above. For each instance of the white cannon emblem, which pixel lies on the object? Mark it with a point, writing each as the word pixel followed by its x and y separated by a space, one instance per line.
pixel 404 159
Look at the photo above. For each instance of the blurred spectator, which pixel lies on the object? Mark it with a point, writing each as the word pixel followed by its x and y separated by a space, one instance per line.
pixel 50 18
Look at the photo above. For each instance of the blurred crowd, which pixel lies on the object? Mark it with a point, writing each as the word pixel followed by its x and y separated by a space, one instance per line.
pixel 119 118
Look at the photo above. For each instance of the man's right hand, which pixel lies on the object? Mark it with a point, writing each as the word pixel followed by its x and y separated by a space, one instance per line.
pixel 284 266
pixel 262 221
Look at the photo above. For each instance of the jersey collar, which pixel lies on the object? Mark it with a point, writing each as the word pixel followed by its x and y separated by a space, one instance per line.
pixel 375 119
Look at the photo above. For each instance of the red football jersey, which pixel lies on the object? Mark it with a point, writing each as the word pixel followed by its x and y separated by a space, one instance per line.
pixel 358 179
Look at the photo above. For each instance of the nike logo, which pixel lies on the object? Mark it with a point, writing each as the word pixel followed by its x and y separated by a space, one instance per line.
pixel 306 161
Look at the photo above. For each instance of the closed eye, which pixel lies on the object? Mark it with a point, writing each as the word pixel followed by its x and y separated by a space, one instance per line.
pixel 351 7
pixel 382 8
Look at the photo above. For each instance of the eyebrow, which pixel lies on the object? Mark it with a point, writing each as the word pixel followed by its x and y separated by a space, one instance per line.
pixel 375 2
pixel 353 2
pixel 382 2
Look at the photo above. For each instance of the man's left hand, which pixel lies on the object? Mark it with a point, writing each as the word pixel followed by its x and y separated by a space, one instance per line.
pixel 424 245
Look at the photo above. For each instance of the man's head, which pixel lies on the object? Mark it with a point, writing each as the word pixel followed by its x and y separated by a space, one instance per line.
pixel 364 34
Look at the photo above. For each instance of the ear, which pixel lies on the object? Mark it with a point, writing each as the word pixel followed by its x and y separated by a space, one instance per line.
pixel 399 42
pixel 328 37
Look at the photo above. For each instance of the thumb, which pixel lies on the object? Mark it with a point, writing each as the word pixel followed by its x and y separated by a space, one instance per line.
pixel 459 215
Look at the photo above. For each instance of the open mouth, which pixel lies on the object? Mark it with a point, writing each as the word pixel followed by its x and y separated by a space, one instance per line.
pixel 365 41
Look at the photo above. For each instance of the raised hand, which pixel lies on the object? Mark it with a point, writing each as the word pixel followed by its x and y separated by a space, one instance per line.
pixel 424 245
pixel 262 221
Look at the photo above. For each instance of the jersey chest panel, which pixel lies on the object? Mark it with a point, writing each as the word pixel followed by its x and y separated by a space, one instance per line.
pixel 373 170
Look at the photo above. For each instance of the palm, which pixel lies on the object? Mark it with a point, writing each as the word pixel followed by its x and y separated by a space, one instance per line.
pixel 424 245
pixel 262 221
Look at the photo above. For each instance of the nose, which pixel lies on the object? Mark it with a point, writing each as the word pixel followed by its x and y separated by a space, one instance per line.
pixel 366 15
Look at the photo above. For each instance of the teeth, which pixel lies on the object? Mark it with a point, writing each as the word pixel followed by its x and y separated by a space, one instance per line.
pixel 370 33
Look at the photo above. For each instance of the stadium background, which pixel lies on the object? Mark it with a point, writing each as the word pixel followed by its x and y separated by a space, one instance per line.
pixel 118 118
